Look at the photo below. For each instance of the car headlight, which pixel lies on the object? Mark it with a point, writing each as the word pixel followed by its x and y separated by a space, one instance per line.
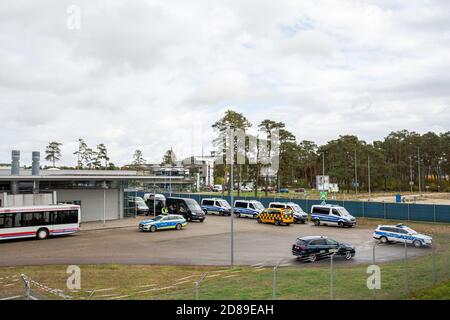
pixel 193 213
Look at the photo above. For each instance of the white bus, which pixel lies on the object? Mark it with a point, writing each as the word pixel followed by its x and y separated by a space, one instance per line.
pixel 39 221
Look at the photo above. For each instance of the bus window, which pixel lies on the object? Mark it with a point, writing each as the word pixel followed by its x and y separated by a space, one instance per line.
pixel 6 220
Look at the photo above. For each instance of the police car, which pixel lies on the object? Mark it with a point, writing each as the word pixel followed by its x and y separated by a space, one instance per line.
pixel 401 233
pixel 329 214
pixel 171 221
pixel 299 215
pixel 247 208
pixel 216 206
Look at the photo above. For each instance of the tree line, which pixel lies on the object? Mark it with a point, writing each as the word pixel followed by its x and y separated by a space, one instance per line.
pixel 396 163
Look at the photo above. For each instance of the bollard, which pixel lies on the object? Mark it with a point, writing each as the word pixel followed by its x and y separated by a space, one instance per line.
pixel 27 292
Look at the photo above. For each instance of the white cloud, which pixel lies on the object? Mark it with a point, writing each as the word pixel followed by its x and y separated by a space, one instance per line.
pixel 156 74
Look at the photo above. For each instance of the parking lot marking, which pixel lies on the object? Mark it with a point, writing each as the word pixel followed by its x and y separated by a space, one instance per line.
pixel 119 297
pixel 213 276
pixel 231 276
pixel 178 283
pixel 186 277
pixel 147 286
pixel 107 289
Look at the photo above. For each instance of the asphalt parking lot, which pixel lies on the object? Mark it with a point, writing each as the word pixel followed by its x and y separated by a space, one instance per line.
pixel 205 243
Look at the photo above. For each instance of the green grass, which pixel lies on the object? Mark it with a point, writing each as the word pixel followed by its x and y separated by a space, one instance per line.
pixel 303 281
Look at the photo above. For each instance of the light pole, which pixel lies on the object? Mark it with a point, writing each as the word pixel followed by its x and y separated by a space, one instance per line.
pixel 356 175
pixel 368 173
pixel 231 146
pixel 410 174
pixel 418 168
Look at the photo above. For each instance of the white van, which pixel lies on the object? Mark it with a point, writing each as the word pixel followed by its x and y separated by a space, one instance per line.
pixel 217 188
pixel 300 216
pixel 247 208
pixel 329 214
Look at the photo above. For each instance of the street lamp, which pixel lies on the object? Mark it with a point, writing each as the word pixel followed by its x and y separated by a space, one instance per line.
pixel 231 146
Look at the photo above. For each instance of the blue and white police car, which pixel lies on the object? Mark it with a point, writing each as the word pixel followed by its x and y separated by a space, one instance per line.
pixel 329 214
pixel 401 233
pixel 216 206
pixel 247 208
pixel 163 222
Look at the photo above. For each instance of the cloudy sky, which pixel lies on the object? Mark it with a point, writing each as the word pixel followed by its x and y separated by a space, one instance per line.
pixel 155 74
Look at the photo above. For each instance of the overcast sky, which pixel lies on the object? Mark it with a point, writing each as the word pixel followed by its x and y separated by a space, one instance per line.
pixel 155 74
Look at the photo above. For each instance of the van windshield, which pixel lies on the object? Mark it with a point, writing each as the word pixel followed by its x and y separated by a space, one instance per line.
pixel 343 212
pixel 258 205
pixel 193 205
pixel 296 208
pixel 224 204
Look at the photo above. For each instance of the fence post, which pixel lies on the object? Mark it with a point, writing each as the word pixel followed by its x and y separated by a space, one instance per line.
pixel 406 268
pixel 197 286
pixel 433 262
pixel 409 214
pixel 331 277
pixel 363 209
pixel 27 292
pixel 434 212
pixel 274 284
pixel 384 205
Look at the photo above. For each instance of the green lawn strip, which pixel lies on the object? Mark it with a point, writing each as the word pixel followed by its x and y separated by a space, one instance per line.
pixel 441 291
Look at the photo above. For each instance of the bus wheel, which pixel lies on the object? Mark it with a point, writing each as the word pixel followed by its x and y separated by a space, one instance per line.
pixel 42 234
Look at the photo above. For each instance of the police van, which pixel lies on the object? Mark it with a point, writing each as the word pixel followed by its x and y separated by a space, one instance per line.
pixel 401 233
pixel 216 206
pixel 299 215
pixel 329 214
pixel 247 208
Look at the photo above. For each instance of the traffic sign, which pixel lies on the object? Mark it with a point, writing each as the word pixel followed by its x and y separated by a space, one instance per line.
pixel 323 195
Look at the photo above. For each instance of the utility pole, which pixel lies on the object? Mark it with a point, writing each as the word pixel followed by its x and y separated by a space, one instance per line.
pixel 418 167
pixel 356 175
pixel 323 163
pixel 410 174
pixel 368 173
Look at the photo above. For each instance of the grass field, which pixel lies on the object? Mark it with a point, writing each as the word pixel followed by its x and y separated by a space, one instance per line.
pixel 303 281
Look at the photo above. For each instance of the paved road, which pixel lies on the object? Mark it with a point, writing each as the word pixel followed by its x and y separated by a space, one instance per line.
pixel 205 243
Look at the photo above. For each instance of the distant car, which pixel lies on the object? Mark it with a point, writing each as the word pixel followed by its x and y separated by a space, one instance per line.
pixel 138 205
pixel 216 206
pixel 276 216
pixel 217 188
pixel 170 221
pixel 284 190
pixel 299 215
pixel 247 208
pixel 401 233
pixel 329 214
pixel 246 189
pixel 300 190
pixel 313 248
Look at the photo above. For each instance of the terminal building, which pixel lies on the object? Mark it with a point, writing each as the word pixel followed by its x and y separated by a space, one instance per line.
pixel 102 194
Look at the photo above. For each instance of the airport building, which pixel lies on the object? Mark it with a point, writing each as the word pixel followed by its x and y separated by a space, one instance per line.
pixel 102 194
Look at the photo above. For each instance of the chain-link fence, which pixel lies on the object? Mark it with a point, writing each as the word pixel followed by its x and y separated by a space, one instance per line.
pixel 331 277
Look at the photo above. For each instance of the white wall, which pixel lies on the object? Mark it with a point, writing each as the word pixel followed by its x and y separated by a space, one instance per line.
pixel 92 202
pixel 20 200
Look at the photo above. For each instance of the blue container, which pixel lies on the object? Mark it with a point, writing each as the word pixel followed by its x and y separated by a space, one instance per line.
pixel 398 198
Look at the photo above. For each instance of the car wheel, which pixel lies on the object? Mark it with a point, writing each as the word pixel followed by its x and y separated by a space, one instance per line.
pixel 316 222
pixel 239 215
pixel 277 223
pixel 188 219
pixel 417 243
pixel 201 220
pixel 303 221
pixel 259 220
pixel 206 211
pixel 178 226
pixel 340 224
pixel 312 258
pixel 348 255
pixel 42 234
pixel 152 228
pixel 384 239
